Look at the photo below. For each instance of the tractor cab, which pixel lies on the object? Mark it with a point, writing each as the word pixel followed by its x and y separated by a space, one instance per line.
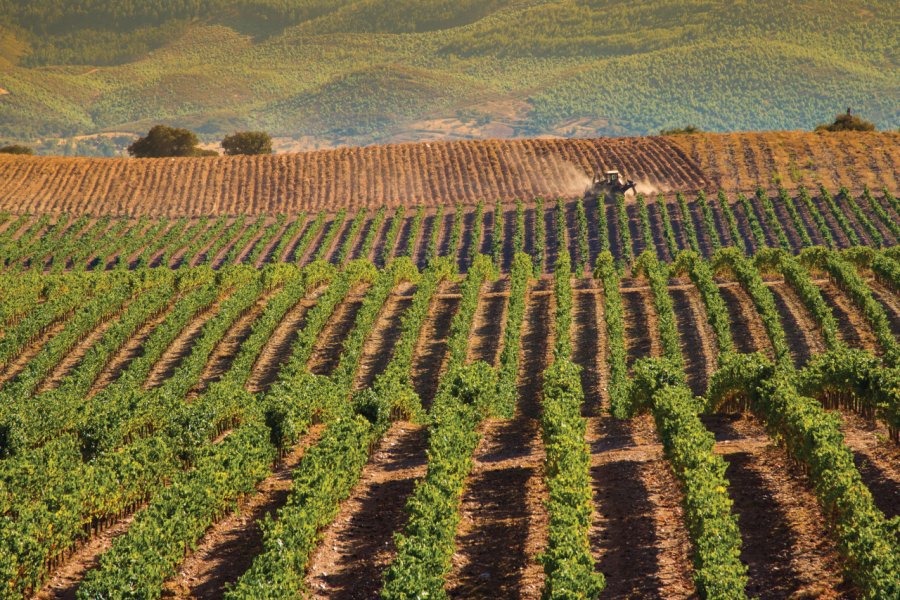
pixel 610 182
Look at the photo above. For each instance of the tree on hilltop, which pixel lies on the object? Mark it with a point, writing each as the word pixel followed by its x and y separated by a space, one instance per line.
pixel 847 122
pixel 247 142
pixel 163 141
pixel 689 130
pixel 16 149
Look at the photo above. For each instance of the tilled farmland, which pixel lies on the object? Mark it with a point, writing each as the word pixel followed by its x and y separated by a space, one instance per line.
pixel 444 173
pixel 671 396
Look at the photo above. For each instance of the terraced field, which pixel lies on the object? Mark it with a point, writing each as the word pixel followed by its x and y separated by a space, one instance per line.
pixel 669 396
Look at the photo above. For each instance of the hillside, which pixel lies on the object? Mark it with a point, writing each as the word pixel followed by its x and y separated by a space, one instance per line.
pixel 319 74
pixel 445 173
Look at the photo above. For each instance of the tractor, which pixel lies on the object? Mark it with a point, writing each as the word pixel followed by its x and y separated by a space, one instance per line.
pixel 611 182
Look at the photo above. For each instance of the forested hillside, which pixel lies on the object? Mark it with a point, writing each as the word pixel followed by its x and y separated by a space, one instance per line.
pixel 360 71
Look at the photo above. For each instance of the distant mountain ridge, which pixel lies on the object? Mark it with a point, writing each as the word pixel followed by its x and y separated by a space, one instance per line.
pixel 346 72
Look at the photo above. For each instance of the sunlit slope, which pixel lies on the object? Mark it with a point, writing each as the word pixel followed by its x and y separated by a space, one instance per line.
pixel 369 71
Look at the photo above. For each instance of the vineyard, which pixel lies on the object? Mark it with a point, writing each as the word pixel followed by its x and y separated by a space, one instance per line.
pixel 675 395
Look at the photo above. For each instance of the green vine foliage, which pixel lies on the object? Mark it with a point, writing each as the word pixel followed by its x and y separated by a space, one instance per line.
pixel 614 314
pixel 813 437
pixel 877 209
pixel 497 237
pixel 602 225
pixel 759 236
pixel 624 231
pixel 821 224
pixel 839 216
pixel 668 232
pixel 846 277
pixel 584 255
pixel 568 562
pixel 791 207
pixel 736 238
pixel 644 218
pixel 687 222
pixel 862 218
pixel 540 238
pixel 709 222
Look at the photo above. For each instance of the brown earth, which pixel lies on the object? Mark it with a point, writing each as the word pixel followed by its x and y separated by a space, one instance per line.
pixel 502 517
pixel 786 546
pixel 359 545
pixel 228 548
pixel 441 172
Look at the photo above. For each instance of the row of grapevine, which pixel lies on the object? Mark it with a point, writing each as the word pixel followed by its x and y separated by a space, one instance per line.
pixel 24 422
pixel 788 202
pixel 415 229
pixel 862 218
pixel 567 559
pixel 690 448
pixel 687 222
pixel 839 216
pixel 474 249
pixel 799 278
pixel 330 235
pixel 709 222
pixel 854 380
pixel 169 236
pixel 368 242
pixel 240 243
pixel 882 214
pixel 756 230
pixel 624 231
pixel 393 232
pixel 614 315
pixel 350 237
pixel 583 256
pixel 454 244
pixel 846 277
pixel 540 238
pixel 195 245
pixel 290 232
pixel 519 232
pixel 701 275
pixel 307 238
pixel 748 276
pixel 432 250
pixel 772 220
pixel 602 226
pixel 668 232
pixel 465 395
pixel 508 369
pixel 201 494
pixel 264 241
pixel 330 470
pixel 812 436
pixel 657 274
pixel 497 237
pixel 821 224
pixel 730 219
pixel 644 220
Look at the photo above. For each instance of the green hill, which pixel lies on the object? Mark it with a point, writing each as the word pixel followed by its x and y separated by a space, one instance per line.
pixel 363 71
